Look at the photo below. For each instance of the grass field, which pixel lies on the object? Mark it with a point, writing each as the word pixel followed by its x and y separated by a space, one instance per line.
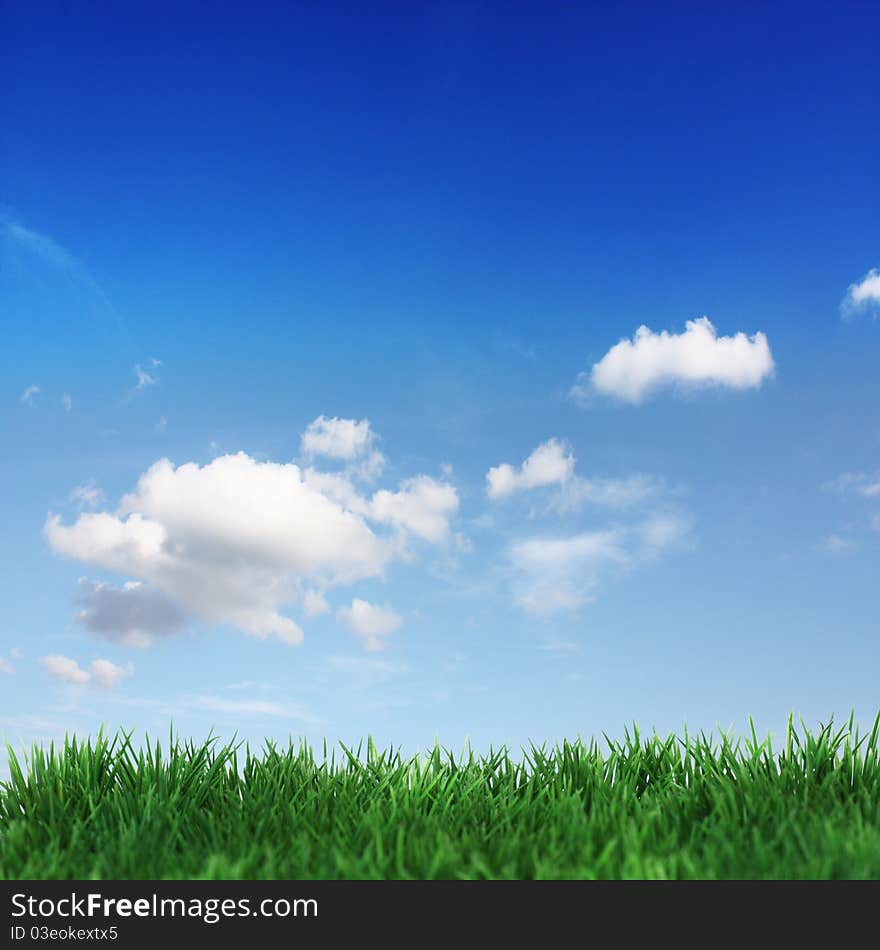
pixel 647 807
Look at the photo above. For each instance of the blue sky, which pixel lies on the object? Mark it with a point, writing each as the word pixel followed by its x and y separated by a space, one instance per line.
pixel 325 406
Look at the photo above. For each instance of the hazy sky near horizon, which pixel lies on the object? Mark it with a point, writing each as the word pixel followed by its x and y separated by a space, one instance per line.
pixel 444 370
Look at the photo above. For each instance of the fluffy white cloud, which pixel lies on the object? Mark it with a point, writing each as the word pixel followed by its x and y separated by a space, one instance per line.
pixel 337 438
pixel 6 666
pixel 63 668
pixel 347 440
pixel 236 540
pixel 632 369
pixel 104 674
pixel 422 506
pixel 863 296
pixel 550 574
pixel 370 622
pixel 552 463
pixel 132 614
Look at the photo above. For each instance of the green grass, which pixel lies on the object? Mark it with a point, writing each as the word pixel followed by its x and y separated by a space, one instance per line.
pixel 647 807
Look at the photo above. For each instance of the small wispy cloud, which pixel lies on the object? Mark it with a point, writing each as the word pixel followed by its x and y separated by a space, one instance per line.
pixel 6 666
pixel 67 402
pixel 22 244
pixel 836 544
pixel 553 574
pixel 29 395
pixel 87 495
pixel 561 647
pixel 250 707
pixel 866 484
pixel 144 379
pixel 161 426
pixel 365 672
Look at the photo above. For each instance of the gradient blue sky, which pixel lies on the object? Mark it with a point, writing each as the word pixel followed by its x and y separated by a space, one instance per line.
pixel 439 218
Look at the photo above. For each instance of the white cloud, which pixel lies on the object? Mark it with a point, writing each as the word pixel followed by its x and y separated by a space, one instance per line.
pixel 67 402
pixel 370 622
pixel 144 379
pixel 610 492
pixel 550 574
pixel 337 438
pixel 422 505
pixel 346 440
pixel 235 540
pixel 463 543
pixel 161 426
pixel 661 531
pixel 131 615
pixel 106 675
pixel 863 296
pixel 552 463
pixel 5 665
pixel 632 369
pixel 836 544
pixel 63 668
pixel 365 666
pixel 314 603
pixel 26 246
pixel 561 647
pixel 87 495
pixel 27 397
pixel 249 707
pixel 874 523
pixel 866 484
